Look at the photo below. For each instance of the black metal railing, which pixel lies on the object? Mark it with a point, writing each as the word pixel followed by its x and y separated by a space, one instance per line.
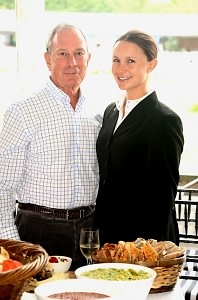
pixel 186 206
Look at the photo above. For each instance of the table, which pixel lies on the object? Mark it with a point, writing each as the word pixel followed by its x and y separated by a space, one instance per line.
pixel 175 294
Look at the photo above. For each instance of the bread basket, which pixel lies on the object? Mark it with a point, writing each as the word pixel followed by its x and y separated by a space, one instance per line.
pixel 167 269
pixel 33 257
pixel 167 273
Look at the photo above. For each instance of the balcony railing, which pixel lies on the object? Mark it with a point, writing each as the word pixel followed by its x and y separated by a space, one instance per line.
pixel 186 205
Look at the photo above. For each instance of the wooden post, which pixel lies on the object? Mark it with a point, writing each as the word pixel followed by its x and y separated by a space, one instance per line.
pixel 29 40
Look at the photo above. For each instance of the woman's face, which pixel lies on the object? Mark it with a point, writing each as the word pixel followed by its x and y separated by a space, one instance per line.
pixel 130 68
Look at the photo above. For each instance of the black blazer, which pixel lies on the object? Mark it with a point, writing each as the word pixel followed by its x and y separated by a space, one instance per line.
pixel 139 173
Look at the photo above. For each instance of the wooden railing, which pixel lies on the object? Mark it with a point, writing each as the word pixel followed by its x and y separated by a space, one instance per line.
pixel 186 206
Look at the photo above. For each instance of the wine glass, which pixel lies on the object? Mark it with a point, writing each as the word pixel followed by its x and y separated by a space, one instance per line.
pixel 89 242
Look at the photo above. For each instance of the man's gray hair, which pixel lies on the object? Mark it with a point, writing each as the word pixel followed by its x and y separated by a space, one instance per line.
pixel 58 28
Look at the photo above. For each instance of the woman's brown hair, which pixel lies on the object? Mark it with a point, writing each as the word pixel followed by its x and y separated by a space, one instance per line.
pixel 143 40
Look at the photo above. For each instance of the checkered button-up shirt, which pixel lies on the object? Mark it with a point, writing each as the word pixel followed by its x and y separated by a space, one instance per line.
pixel 47 155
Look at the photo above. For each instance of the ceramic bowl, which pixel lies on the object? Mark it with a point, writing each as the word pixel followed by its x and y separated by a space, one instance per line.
pixel 43 291
pixel 63 264
pixel 131 289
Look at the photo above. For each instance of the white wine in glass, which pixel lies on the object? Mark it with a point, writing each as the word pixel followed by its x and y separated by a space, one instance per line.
pixel 89 242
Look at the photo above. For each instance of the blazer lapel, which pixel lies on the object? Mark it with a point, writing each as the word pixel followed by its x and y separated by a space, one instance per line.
pixel 142 110
pixel 112 119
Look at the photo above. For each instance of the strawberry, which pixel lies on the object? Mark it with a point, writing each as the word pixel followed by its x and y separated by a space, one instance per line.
pixel 53 259
pixel 9 264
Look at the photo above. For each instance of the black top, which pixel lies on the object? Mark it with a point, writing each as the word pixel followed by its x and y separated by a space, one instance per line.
pixel 139 173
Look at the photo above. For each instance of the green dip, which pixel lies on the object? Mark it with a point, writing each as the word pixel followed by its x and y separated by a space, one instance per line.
pixel 116 274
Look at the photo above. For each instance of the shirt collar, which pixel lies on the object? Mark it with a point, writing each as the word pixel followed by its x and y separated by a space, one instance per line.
pixel 59 95
pixel 130 104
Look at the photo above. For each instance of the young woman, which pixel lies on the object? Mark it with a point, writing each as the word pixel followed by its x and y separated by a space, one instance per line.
pixel 139 149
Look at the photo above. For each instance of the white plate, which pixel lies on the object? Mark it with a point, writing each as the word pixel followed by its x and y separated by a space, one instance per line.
pixel 28 296
pixel 140 287
pixel 77 285
pixel 172 295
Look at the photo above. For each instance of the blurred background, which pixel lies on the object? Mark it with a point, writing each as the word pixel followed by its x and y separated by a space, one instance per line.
pixel 25 24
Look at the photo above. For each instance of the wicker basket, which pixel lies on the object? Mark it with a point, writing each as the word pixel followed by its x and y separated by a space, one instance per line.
pixel 33 257
pixel 167 272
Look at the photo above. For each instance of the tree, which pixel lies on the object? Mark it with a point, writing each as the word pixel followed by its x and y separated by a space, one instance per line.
pixel 115 6
pixel 7 4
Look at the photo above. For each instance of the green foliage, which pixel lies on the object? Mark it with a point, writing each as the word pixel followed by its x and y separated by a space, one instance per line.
pixel 171 43
pixel 124 6
pixel 115 6
pixel 7 4
pixel 194 108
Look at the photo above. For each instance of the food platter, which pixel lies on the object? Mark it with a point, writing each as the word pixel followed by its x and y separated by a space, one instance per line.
pixel 164 257
pixel 140 251
pixel 158 263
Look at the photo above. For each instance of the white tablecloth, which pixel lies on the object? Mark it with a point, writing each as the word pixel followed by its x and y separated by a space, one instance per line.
pixel 176 294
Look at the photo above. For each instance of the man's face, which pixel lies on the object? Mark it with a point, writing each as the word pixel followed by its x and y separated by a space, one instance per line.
pixel 68 59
